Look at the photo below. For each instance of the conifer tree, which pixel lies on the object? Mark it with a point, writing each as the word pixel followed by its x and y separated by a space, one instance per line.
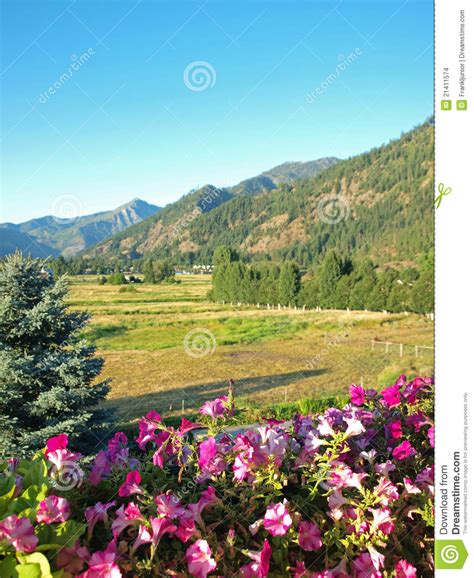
pixel 46 370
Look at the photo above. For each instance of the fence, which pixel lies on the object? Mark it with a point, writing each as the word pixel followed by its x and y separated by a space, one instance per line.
pixel 402 346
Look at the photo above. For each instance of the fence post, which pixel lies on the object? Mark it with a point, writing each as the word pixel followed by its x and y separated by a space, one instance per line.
pixel 182 406
pixel 401 349
pixel 373 344
pixel 286 394
pixel 416 350
pixel 387 345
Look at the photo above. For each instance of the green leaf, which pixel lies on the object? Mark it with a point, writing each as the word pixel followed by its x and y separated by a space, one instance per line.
pixel 36 474
pixel 28 571
pixel 7 566
pixel 60 534
pixel 37 559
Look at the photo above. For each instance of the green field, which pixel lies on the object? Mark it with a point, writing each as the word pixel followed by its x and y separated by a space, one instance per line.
pixel 273 355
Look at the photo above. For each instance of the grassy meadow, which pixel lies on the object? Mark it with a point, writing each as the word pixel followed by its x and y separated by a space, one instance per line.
pixel 150 335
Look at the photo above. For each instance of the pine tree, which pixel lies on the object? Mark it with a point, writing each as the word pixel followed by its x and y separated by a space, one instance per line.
pixel 46 370
pixel 331 271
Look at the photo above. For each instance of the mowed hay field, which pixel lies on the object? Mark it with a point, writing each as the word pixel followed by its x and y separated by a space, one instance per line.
pixel 168 346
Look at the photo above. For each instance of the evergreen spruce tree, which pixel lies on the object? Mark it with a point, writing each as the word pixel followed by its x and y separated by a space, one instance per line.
pixel 331 271
pixel 46 371
pixel 289 284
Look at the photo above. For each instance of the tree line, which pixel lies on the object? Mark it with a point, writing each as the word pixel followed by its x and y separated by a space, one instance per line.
pixel 338 282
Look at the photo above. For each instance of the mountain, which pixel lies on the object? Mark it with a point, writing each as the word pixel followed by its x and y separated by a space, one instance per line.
pixel 377 204
pixel 166 227
pixel 285 173
pixel 52 236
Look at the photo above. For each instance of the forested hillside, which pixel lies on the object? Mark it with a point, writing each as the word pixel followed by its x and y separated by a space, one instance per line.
pixel 385 199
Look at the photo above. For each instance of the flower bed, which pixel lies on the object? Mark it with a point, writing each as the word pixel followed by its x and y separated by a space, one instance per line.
pixel 345 493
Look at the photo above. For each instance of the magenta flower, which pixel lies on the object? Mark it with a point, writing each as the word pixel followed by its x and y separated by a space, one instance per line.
pixel 97 513
pixel 404 570
pixel 404 451
pixel 159 527
pixel 394 429
pixel 57 453
pixel 363 567
pixel 215 408
pixel 18 532
pixel 125 516
pixel 131 485
pixel 357 394
pixel 199 559
pixel 103 564
pixel 71 559
pixel 431 436
pixel 391 396
pixel 186 528
pixel 309 536
pixel 277 519
pixel 260 567
pixel 169 506
pixel 147 428
pixel 53 509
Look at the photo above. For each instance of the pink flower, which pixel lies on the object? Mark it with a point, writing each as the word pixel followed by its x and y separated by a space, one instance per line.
pixel 53 509
pixel 382 520
pixel 71 559
pixel 131 485
pixel 394 429
pixel 431 436
pixel 309 536
pixel 277 519
pixel 103 564
pixel 169 506
pixel 260 567
pixel 147 428
pixel 357 394
pixel 18 532
pixel 391 396
pixel 199 559
pixel 96 513
pixel 404 451
pixel 343 477
pixel 386 492
pixel 363 567
pixel 410 487
pixel 128 515
pixel 159 527
pixel 404 570
pixel 215 408
pixel 186 528
pixel 56 451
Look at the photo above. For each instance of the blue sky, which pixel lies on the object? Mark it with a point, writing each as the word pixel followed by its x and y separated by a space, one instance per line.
pixel 124 123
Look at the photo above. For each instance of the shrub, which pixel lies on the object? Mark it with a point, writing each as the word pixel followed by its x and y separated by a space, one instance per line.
pixel 345 493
